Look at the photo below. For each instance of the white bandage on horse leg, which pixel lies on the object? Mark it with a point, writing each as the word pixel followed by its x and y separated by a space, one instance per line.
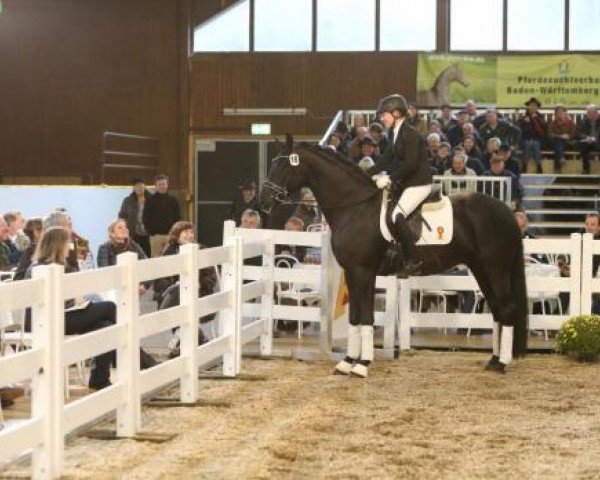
pixel 354 342
pixel 506 344
pixel 366 335
pixel 496 339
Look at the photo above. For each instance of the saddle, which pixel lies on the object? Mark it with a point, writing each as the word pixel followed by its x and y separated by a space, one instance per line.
pixel 416 221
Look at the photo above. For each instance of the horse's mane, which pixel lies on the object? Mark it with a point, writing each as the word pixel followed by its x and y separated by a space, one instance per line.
pixel 342 162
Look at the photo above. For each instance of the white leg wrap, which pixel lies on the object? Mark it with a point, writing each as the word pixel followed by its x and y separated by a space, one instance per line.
pixel 506 344
pixel 366 335
pixel 496 339
pixel 354 342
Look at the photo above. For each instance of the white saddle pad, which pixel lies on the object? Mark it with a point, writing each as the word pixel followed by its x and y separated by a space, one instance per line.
pixel 437 215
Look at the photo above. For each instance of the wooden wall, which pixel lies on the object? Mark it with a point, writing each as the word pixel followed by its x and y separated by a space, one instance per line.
pixel 72 69
pixel 321 82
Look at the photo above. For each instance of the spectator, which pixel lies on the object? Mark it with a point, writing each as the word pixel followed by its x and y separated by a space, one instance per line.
pixel 459 169
pixel 476 119
pixel 250 219
pixel 355 144
pixel 472 162
pixel 492 147
pixel 588 135
pixel 561 132
pixel 293 224
pixel 377 134
pixel 132 211
pixel 247 200
pixel 161 211
pixel 470 145
pixel 33 230
pixel 358 121
pixel 493 127
pixel 511 161
pixel 167 289
pixel 592 225
pixel 497 170
pixel 533 128
pixel 333 142
pixel 523 222
pixel 341 130
pixel 4 249
pixel 433 143
pixel 308 211
pixel 80 245
pixel 434 127
pixel 416 119
pixel 441 162
pixel 119 242
pixel 368 148
pixel 446 119
pixel 16 222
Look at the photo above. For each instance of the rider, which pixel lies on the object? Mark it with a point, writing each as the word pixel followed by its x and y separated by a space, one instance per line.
pixel 405 162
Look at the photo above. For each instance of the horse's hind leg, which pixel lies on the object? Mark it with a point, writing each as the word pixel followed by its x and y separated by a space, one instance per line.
pixel 493 296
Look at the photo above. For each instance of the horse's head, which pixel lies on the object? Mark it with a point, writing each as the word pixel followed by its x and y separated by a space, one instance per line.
pixel 457 75
pixel 286 176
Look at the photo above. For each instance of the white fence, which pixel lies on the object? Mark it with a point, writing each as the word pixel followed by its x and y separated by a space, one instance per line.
pixel 51 419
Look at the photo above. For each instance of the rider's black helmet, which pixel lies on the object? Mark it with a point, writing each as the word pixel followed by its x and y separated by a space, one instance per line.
pixel 391 103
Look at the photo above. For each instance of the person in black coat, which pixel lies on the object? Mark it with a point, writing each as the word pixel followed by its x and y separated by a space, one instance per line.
pixel 246 200
pixel 160 213
pixel 132 211
pixel 588 135
pixel 405 162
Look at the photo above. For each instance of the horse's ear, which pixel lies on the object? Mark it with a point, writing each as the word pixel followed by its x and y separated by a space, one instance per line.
pixel 289 143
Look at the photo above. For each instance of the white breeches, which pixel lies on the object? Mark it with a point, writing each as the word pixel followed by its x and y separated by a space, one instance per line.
pixel 410 199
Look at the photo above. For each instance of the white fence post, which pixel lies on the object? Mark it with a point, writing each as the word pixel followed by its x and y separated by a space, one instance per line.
pixel 326 286
pixel 266 302
pixel 391 315
pixel 48 326
pixel 575 292
pixel 129 415
pixel 230 319
pixel 404 318
pixel 188 294
pixel 587 274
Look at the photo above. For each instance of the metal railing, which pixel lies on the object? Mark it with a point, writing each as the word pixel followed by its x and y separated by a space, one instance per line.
pixel 497 187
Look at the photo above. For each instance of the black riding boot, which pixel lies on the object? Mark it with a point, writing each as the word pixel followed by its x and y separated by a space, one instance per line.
pixel 412 265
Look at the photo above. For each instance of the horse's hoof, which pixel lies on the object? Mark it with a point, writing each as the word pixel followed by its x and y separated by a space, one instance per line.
pixel 494 360
pixel 360 370
pixel 496 366
pixel 343 368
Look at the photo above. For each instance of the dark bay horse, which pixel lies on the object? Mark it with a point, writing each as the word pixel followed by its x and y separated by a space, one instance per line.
pixel 486 239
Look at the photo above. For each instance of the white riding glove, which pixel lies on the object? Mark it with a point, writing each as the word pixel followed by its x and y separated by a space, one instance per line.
pixel 383 182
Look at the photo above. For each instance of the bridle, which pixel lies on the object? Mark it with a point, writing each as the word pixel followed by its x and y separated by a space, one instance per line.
pixel 279 194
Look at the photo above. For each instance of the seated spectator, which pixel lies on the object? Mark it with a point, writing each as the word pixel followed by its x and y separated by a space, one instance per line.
pixel 376 132
pixel 4 249
pixel 492 147
pixel 523 222
pixel 358 121
pixel 33 230
pixel 588 135
pixel 16 222
pixel 342 132
pixel 469 129
pixel 511 161
pixel 441 161
pixel 455 133
pixel 368 148
pixel 470 145
pixel 472 162
pixel 561 132
pixel 416 119
pixel 533 128
pixel 476 119
pixel 497 170
pixel 132 211
pixel 333 142
pixel 293 224
pixel 80 316
pixel 434 127
pixel 355 144
pixel 494 127
pixel 433 143
pixel 459 169
pixel 308 211
pixel 446 120
pixel 119 242
pixel 250 219
pixel 247 200
pixel 167 289
pixel 59 218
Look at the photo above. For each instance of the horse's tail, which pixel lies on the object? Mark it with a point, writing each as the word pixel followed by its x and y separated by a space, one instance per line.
pixel 519 296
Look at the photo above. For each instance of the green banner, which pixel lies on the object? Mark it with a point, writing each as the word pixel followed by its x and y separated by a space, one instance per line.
pixel 508 81
pixel 454 79
pixel 572 80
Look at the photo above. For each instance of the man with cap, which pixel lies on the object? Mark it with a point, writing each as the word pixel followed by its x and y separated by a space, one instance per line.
pixel 368 148
pixel 405 163
pixel 533 128
pixel 246 200
pixel 497 169
pixel 511 162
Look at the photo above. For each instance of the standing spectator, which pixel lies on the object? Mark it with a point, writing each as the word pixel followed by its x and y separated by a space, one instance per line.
pixel 446 119
pixel 588 132
pixel 246 200
pixel 132 211
pixel 493 127
pixel 561 132
pixel 511 161
pixel 533 128
pixel 33 230
pixel 160 213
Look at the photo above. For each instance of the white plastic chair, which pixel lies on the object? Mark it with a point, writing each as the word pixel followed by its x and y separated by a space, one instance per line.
pixel 441 298
pixel 293 291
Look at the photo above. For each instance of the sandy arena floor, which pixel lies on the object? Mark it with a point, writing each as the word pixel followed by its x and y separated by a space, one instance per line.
pixel 426 415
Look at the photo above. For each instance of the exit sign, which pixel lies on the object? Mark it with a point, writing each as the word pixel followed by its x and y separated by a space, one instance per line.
pixel 260 129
